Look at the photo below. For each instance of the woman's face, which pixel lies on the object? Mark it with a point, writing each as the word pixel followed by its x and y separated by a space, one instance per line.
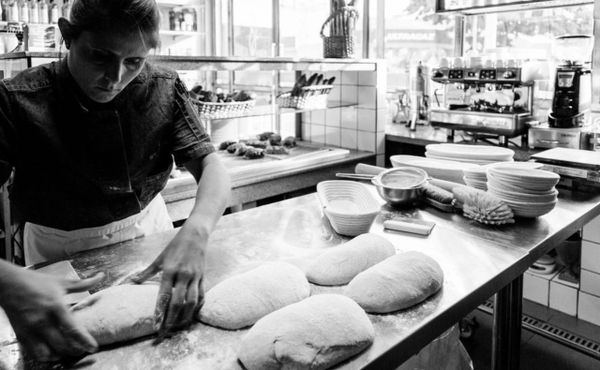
pixel 103 64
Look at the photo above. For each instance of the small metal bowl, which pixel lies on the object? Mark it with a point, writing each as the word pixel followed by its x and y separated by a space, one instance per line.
pixel 400 185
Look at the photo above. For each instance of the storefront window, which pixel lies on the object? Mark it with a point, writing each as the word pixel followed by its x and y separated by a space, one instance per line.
pixel 300 23
pixel 525 34
pixel 413 32
pixel 253 28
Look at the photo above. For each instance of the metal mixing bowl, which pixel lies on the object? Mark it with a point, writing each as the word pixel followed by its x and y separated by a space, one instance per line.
pixel 400 185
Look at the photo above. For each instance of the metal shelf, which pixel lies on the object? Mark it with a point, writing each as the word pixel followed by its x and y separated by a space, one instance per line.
pixel 501 6
pixel 268 110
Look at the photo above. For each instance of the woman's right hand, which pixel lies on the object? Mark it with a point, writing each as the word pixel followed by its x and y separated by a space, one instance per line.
pixel 35 306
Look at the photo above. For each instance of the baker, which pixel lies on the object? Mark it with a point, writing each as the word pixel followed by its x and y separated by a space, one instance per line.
pixel 91 139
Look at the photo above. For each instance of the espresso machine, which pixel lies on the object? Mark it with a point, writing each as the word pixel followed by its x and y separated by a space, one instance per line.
pixel 478 98
pixel 572 96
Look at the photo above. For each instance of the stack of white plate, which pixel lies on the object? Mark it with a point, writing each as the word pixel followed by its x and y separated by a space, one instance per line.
pixel 477 154
pixel 528 192
pixel 440 169
pixel 476 177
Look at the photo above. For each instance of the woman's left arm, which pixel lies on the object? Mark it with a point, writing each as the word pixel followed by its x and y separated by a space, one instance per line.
pixel 182 261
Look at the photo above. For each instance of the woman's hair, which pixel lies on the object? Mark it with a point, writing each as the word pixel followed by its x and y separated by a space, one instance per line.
pixel 141 16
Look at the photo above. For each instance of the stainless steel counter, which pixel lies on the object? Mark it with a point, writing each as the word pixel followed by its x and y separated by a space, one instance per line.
pixel 477 260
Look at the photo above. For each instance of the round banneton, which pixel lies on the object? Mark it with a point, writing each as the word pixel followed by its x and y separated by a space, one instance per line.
pixel 478 152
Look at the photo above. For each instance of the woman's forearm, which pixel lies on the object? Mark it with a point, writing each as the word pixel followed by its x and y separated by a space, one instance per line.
pixel 212 196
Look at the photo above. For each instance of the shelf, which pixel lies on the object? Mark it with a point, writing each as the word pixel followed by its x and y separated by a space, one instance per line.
pixel 496 6
pixel 177 2
pixel 178 33
pixel 263 64
pixel 267 110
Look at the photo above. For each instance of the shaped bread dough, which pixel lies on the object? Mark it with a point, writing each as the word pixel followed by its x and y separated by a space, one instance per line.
pixel 241 300
pixel 118 313
pixel 398 282
pixel 315 333
pixel 338 265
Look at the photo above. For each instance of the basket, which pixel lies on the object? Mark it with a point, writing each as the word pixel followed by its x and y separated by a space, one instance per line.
pixel 210 110
pixel 338 47
pixel 310 97
pixel 340 42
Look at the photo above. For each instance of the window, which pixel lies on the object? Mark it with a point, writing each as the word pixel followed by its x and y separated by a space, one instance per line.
pixel 300 23
pixel 412 32
pixel 252 28
pixel 525 34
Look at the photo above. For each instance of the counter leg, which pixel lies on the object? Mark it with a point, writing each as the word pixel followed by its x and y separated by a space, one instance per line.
pixel 506 339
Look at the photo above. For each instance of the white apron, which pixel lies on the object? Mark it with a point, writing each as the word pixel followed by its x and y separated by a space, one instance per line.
pixel 45 243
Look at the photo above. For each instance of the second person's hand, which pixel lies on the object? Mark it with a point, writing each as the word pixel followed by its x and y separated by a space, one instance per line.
pixel 180 293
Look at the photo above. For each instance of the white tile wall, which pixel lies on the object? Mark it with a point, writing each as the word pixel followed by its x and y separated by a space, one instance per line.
pixel 367 120
pixel 318 117
pixel 333 136
pixel 563 297
pixel 335 95
pixel 591 231
pixel 380 142
pixel 367 97
pixel 590 256
pixel 349 118
pixel 317 134
pixel 366 141
pixel 349 78
pixel 333 117
pixel 536 287
pixel 306 134
pixel 589 308
pixel 349 93
pixel 590 282
pixel 367 78
pixel 349 139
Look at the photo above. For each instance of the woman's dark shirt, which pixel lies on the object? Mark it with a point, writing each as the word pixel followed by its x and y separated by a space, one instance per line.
pixel 80 164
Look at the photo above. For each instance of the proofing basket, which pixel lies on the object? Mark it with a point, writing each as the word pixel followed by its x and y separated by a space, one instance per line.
pixel 310 97
pixel 211 110
pixel 348 205
pixel 338 47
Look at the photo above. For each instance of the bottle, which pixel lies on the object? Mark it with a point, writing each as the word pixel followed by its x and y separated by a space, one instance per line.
pixel 23 11
pixel 172 19
pixel 34 16
pixel 43 7
pixel 53 12
pixel 14 11
pixel 66 9
pixel 4 7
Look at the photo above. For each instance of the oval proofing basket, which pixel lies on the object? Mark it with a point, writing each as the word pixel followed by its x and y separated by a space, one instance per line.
pixel 348 205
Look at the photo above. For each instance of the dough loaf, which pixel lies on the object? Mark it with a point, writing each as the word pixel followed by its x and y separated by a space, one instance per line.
pixel 398 282
pixel 338 265
pixel 241 300
pixel 315 333
pixel 118 313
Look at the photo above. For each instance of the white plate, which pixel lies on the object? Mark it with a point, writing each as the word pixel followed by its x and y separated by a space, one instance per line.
pixel 478 152
pixel 440 169
pixel 460 159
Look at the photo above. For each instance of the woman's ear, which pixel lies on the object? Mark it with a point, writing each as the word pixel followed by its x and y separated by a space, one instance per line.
pixel 66 30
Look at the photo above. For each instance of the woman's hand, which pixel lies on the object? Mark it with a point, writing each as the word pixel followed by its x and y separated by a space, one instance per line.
pixel 180 293
pixel 35 306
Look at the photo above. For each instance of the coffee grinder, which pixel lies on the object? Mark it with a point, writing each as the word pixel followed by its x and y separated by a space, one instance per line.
pixel 572 100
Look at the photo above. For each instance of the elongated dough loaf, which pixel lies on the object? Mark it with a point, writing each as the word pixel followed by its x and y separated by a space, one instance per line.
pixel 118 313
pixel 398 282
pixel 241 300
pixel 315 333
pixel 338 265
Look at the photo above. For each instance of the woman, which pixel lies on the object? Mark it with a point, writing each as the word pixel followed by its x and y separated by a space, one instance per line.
pixel 91 139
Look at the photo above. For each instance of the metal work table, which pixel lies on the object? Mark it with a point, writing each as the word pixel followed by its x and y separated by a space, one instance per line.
pixel 478 261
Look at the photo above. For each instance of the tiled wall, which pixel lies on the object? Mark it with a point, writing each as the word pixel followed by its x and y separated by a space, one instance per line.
pixel 589 294
pixel 360 126
pixel 581 300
